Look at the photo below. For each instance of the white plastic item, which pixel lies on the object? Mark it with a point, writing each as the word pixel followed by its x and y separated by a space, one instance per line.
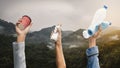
pixel 54 36
pixel 91 31
pixel 100 15
pixel 98 18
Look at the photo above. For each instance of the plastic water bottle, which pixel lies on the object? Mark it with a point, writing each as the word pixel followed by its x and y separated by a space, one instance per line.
pixel 100 15
pixel 91 31
pixel 98 19
pixel 54 36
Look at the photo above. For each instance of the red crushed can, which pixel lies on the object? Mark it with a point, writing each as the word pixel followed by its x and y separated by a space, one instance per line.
pixel 25 21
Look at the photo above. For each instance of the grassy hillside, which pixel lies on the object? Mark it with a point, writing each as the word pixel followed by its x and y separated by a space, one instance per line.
pixel 40 55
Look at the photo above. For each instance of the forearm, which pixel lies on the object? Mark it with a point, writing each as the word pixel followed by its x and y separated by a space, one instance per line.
pixel 60 61
pixel 92 42
pixel 92 55
pixel 21 38
pixel 19 52
pixel 19 55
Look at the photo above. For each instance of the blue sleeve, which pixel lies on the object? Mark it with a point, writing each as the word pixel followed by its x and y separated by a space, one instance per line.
pixel 19 55
pixel 92 55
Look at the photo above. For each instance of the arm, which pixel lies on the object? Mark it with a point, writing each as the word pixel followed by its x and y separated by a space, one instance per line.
pixel 93 52
pixel 19 54
pixel 19 48
pixel 60 61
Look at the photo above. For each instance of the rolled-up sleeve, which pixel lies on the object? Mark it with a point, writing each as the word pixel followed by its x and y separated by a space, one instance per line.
pixel 19 55
pixel 92 54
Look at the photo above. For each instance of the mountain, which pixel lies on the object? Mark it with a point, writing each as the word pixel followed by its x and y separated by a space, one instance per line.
pixel 40 36
pixel 35 37
pixel 70 39
pixel 6 28
pixel 110 38
pixel 110 29
pixel 75 39
pixel 66 33
pixel 43 35
pixel 110 34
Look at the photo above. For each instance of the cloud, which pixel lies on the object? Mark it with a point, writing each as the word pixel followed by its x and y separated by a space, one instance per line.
pixel 73 46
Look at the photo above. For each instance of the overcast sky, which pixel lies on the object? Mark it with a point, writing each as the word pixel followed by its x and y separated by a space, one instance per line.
pixel 72 14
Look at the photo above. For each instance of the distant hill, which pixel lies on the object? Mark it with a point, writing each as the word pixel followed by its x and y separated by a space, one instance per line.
pixel 70 38
pixel 40 36
pixel 43 35
pixel 75 39
pixel 111 37
pixel 110 29
pixel 6 28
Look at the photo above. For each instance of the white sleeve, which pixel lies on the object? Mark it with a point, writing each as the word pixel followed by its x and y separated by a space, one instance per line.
pixel 19 55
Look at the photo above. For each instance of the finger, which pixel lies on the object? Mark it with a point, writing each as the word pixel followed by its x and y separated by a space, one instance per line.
pixel 59 30
pixel 17 29
pixel 99 28
pixel 59 25
pixel 28 27
pixel 17 23
pixel 96 34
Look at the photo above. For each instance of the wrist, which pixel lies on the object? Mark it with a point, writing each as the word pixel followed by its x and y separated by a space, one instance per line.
pixel 21 38
pixel 58 42
pixel 92 42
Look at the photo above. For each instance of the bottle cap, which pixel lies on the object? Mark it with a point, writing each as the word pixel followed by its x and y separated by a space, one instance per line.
pixel 85 34
pixel 90 32
pixel 105 6
pixel 110 23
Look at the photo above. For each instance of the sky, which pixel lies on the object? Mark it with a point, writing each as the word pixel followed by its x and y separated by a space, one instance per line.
pixel 72 14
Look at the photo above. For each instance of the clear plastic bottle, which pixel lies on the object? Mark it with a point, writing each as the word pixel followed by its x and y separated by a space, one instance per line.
pixel 98 19
pixel 90 32
pixel 100 15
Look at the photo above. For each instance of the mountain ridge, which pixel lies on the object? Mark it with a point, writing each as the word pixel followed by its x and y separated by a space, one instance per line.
pixel 70 38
